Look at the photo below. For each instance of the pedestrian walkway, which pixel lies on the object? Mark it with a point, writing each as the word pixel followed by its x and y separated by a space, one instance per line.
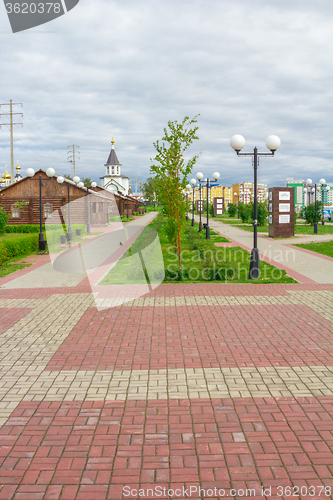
pixel 279 252
pixel 190 391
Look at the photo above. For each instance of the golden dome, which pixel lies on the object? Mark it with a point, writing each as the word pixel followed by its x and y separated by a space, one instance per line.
pixel 18 166
pixel 112 142
pixel 6 175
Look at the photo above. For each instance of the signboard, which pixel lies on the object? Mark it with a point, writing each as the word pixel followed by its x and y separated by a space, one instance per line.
pixel 284 207
pixel 284 219
pixel 281 220
pixel 284 195
pixel 218 205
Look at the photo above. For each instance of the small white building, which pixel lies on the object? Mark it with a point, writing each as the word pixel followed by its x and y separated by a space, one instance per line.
pixel 113 180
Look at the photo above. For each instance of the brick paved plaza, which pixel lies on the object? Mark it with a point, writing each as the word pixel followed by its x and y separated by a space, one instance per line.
pixel 223 387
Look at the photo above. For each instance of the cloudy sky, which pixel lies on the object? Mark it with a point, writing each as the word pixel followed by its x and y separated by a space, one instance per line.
pixel 124 68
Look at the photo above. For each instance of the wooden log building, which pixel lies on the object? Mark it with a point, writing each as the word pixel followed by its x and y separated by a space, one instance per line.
pixel 21 201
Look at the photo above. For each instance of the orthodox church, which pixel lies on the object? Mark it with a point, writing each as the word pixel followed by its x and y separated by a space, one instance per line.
pixel 113 180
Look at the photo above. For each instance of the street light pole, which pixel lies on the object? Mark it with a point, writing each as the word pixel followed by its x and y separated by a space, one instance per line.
pixel 93 185
pixel 320 184
pixel 237 142
pixel 199 176
pixel 188 187
pixel 207 223
pixel 193 183
pixel 50 172
pixel 216 176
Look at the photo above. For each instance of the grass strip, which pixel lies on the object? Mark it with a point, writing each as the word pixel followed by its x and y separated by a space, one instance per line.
pixel 202 261
pixel 324 248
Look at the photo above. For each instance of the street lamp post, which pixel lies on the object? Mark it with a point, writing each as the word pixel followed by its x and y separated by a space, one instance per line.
pixel 188 187
pixel 50 172
pixel 199 176
pixel 216 176
pixel 305 193
pixel 193 183
pixel 93 185
pixel 316 188
pixel 76 180
pixel 236 194
pixel 237 142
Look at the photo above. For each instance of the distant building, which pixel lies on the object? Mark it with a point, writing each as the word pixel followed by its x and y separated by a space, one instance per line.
pixel 303 199
pixel 244 192
pixel 113 180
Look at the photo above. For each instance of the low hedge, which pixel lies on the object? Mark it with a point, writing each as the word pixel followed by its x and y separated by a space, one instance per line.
pixel 34 228
pixel 14 247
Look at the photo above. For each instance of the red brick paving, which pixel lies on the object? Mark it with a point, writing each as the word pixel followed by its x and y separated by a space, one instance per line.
pixel 11 316
pixel 92 450
pixel 191 337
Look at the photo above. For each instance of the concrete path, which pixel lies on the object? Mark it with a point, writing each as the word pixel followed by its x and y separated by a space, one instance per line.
pixel 70 267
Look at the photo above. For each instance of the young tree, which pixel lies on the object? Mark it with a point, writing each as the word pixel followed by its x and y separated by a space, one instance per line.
pixel 150 190
pixel 171 171
pixel 86 181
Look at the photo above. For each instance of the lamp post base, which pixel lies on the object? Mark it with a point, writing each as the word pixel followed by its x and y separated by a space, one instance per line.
pixel 254 271
pixel 192 223
pixel 69 234
pixel 41 243
pixel 186 216
pixel 200 227
pixel 88 228
pixel 207 233
pixel 315 228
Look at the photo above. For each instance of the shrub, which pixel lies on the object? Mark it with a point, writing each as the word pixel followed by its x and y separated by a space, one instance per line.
pixel 14 247
pixel 309 213
pixel 3 220
pixel 232 209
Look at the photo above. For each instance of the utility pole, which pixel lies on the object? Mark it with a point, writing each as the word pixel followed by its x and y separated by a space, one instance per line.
pixel 136 184
pixel 11 124
pixel 71 155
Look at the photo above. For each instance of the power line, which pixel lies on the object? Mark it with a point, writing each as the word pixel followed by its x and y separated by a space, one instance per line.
pixel 71 155
pixel 11 124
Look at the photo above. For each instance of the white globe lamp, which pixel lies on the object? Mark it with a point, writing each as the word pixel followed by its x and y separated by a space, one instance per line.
pixel 30 172
pixel 94 184
pixel 237 142
pixel 309 181
pixel 76 179
pixel 50 172
pixel 199 176
pixel 193 182
pixel 273 142
pixel 60 179
pixel 216 176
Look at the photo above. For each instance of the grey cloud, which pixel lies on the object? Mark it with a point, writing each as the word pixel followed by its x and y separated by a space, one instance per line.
pixel 124 69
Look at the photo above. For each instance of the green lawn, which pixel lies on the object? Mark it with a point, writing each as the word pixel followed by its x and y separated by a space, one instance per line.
pixel 249 227
pixel 214 236
pixel 307 229
pixel 202 261
pixel 299 228
pixel 8 268
pixel 325 248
